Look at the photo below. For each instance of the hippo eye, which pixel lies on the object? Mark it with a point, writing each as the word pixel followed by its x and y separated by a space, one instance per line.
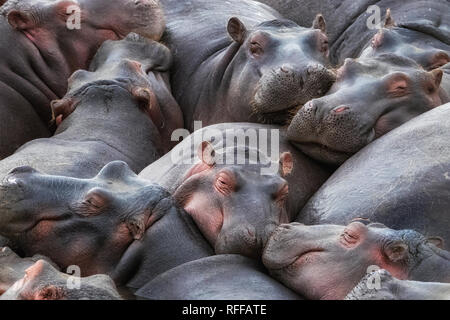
pixel 256 49
pixel 349 237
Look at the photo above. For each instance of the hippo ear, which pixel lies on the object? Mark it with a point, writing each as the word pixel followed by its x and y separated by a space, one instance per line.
pixel 237 30
pixel 137 227
pixel 389 21
pixel 437 75
pixel 207 154
pixel 61 109
pixel 319 23
pixel 437 241
pixel 286 164
pixel 20 20
pixel 149 104
pixel 396 251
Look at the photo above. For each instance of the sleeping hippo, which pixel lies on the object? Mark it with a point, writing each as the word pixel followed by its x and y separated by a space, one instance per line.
pixel 239 61
pixel 42 281
pixel 95 115
pixel 328 261
pixel 394 289
pixel 353 24
pixel 401 180
pixel 115 224
pixel 222 277
pixel 52 39
pixel 371 97
pixel 225 188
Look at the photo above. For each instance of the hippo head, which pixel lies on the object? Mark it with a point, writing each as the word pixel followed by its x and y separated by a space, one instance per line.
pixel 235 207
pixel 281 65
pixel 407 43
pixel 88 223
pixel 113 18
pixel 328 261
pixel 123 65
pixel 42 281
pixel 371 97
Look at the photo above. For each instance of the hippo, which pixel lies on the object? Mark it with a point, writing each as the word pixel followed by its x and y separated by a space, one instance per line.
pixel 371 97
pixel 401 180
pixel 323 262
pixel 94 117
pixel 144 235
pixel 240 61
pixel 395 289
pixel 243 202
pixel 221 277
pixel 49 45
pixel 42 281
pixel 419 25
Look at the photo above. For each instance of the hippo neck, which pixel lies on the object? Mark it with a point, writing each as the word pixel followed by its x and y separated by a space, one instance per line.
pixel 170 242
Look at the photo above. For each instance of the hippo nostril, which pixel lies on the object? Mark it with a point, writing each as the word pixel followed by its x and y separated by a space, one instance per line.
pixel 312 69
pixel 285 69
pixel 340 109
pixel 21 170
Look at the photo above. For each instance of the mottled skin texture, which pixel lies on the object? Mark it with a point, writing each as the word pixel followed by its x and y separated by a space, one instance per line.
pixel 347 21
pixel 395 289
pixel 243 206
pixel 402 181
pixel 42 281
pixel 371 97
pixel 238 62
pixel 45 53
pixel 328 261
pixel 222 277
pixel 97 112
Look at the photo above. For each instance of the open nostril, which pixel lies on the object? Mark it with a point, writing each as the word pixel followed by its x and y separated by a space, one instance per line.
pixel 285 68
pixel 21 170
pixel 340 109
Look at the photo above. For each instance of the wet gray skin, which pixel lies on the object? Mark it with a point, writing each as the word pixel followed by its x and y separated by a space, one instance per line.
pixel 46 52
pixel 371 97
pixel 328 261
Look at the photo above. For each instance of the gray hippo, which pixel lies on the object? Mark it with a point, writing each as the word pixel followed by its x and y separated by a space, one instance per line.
pixel 52 39
pixel 222 277
pixel 111 113
pixel 42 281
pixel 371 97
pixel 239 61
pixel 391 288
pixel 248 177
pixel 401 180
pixel 328 261
pixel 420 25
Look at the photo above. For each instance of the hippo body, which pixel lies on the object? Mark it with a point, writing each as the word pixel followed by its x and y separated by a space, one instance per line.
pixel 254 70
pixel 222 277
pixel 34 71
pixel 98 111
pixel 401 180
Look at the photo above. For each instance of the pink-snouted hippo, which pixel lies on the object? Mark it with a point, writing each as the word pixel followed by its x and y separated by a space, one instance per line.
pixel 328 261
pixel 43 42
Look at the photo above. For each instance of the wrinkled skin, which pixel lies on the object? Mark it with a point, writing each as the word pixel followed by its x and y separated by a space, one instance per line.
pixel 243 206
pixel 99 108
pixel 425 21
pixel 44 282
pixel 46 52
pixel 371 97
pixel 328 261
pixel 53 221
pixel 209 279
pixel 402 181
pixel 395 289
pixel 241 62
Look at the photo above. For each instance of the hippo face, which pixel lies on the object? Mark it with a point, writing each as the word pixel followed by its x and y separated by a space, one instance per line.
pixel 284 63
pixel 327 261
pixel 112 19
pixel 234 206
pixel 42 281
pixel 93 220
pixel 371 97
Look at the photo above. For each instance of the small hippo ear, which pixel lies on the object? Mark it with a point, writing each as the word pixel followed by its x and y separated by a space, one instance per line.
pixel 396 251
pixel 149 104
pixel 437 75
pixel 61 109
pixel 437 241
pixel 137 227
pixel 319 23
pixel 389 21
pixel 237 30
pixel 207 154
pixel 20 20
pixel 286 164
